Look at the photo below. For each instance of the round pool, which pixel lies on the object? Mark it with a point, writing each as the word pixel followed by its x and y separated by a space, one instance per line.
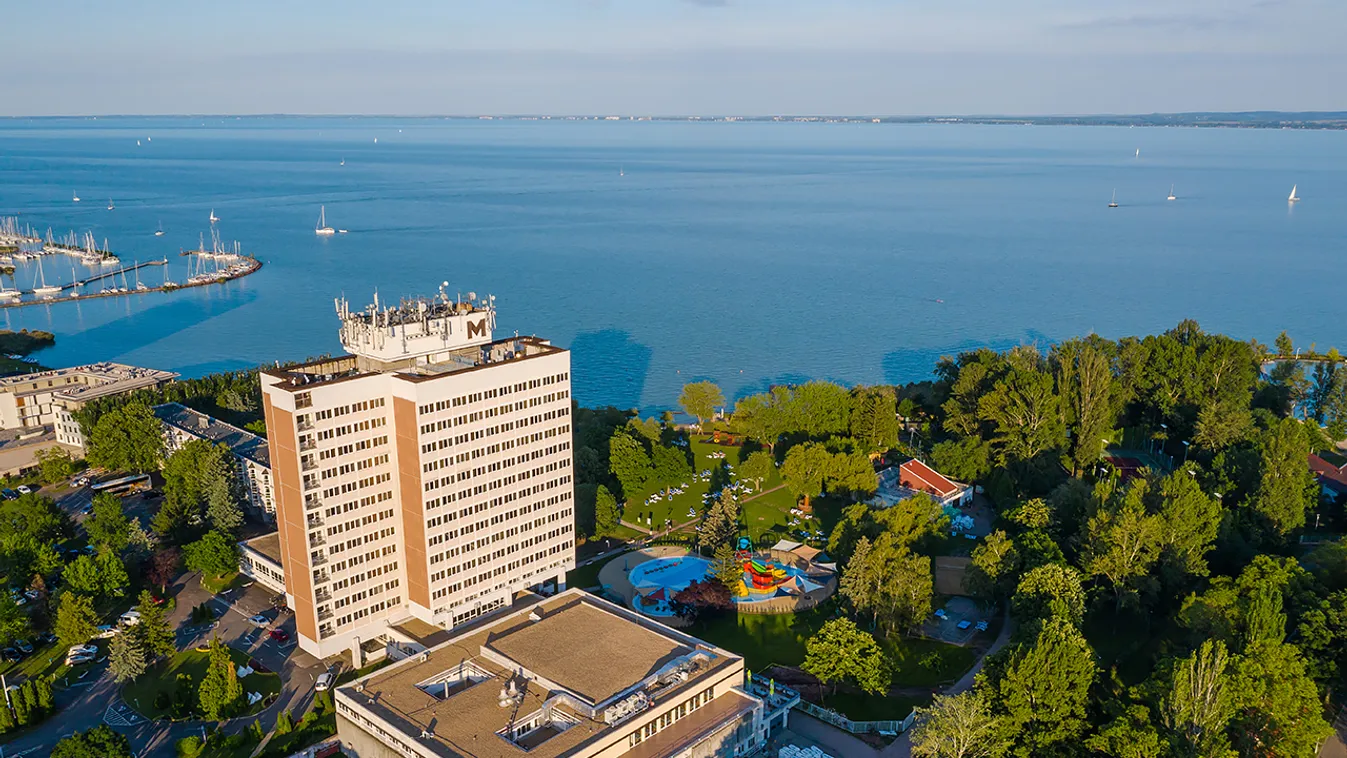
pixel 658 580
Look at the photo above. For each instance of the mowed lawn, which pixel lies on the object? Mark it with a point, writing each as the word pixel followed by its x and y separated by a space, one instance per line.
pixel 142 692
pixel 769 512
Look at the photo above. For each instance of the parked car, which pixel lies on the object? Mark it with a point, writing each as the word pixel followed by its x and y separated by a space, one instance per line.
pixel 130 618
pixel 11 654
pixel 80 658
pixel 83 650
pixel 83 481
pixel 25 489
pixel 105 631
pixel 8 493
pixel 46 638
pixel 280 635
pixel 23 647
pixel 259 621
pixel 324 681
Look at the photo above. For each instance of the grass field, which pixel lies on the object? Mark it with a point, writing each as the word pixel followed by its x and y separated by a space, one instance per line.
pixel 162 678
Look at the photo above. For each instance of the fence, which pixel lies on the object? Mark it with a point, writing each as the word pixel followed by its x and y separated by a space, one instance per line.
pixel 855 727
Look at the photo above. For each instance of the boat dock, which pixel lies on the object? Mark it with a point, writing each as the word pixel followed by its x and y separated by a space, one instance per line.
pixel 123 270
pixel 244 268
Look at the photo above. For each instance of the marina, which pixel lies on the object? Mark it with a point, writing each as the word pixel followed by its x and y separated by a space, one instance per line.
pixel 22 243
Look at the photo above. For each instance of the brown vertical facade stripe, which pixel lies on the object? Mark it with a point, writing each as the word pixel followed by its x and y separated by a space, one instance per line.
pixel 406 437
pixel 292 527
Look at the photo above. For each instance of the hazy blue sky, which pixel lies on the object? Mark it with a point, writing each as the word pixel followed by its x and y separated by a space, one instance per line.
pixel 671 56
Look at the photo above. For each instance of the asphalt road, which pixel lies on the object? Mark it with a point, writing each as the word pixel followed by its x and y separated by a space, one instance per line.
pixel 96 700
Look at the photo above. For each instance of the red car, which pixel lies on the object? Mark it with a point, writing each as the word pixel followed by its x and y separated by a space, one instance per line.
pixel 280 635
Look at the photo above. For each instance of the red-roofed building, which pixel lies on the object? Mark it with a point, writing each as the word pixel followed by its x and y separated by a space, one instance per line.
pixel 1331 471
pixel 913 476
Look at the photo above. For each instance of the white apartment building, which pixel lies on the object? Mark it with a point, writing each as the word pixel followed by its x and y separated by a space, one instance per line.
pixel 426 475
pixel 183 424
pixel 48 398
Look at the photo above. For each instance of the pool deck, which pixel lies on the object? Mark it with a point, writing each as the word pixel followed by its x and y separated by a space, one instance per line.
pixel 613 575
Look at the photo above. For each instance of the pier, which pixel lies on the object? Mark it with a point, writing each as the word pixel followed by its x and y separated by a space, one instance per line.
pixel 245 267
pixel 112 274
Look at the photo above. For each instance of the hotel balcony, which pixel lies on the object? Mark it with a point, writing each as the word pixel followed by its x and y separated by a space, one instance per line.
pixel 307 444
pixel 309 465
pixel 316 539
pixel 315 520
pixel 317 558
pixel 321 577
pixel 322 595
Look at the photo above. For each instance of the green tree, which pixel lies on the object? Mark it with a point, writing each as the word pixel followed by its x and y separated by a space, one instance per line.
pixel 629 463
pixel 1130 735
pixel 23 711
pixel 14 623
pixel 958 726
pixel 126 657
pixel 220 690
pixel 1286 488
pixel 128 438
pixel 670 467
pixel 967 460
pixel 54 465
pixel 285 723
pixel 108 525
pixel 6 719
pixel 888 581
pixel 201 485
pixel 99 742
pixel 113 579
pixel 700 399
pixel 1050 591
pixel 1191 522
pixel 1122 542
pixel 851 472
pixel 874 419
pixel 756 467
pixel 1026 413
pixel 81 575
pixel 1085 382
pixel 993 567
pixel 765 417
pixel 725 567
pixel 153 628
pixel 46 699
pixel 804 470
pixel 212 555
pixel 76 622
pixel 1043 685
pixel 839 652
pixel 607 516
pixel 820 409
pixel 720 525
pixel 1278 712
pixel 1199 702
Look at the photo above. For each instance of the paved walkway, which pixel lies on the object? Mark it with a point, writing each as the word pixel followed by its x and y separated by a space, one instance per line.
pixel 902 747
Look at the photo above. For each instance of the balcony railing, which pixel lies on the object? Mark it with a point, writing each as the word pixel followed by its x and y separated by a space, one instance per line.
pixel 315 520
pixel 322 595
pixel 316 539
pixel 311 483
pixel 309 465
pixel 305 426
pixel 307 444
pixel 312 500
pixel 317 559
pixel 324 614
pixel 320 577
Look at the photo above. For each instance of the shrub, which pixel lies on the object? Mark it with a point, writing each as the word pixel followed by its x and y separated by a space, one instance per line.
pixel 190 747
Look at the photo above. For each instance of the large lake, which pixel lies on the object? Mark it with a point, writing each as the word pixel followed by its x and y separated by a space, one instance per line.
pixel 748 253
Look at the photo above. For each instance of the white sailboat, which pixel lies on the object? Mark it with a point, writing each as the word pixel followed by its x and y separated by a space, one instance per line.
pixel 343 162
pixel 213 217
pixel 1138 155
pixel 1294 198
pixel 621 170
pixel 160 231
pixel 7 293
pixel 1172 196
pixel 323 229
pixel 44 290
pixel 111 207
pixel 1114 202
pixel 76 199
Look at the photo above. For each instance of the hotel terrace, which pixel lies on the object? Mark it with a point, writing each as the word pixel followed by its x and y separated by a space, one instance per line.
pixel 572 676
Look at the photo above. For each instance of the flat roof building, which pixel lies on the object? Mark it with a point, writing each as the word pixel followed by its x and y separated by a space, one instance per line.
pixel 426 474
pixel 571 676
pixel 48 398
pixel 183 424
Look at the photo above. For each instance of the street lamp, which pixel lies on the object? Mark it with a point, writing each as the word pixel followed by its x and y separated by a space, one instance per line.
pixel 1186 443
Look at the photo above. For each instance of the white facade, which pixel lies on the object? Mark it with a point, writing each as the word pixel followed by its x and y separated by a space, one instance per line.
pixel 435 486
pixel 48 398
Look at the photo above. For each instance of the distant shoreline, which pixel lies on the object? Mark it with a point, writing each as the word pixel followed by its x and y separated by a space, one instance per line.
pixel 1316 120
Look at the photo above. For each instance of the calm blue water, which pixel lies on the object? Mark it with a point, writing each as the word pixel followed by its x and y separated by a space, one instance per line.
pixel 747 253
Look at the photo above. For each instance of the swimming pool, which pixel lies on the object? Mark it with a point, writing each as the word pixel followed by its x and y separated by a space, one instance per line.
pixel 657 581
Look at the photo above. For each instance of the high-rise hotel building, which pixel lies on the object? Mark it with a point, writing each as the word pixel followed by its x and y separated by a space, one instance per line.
pixel 427 474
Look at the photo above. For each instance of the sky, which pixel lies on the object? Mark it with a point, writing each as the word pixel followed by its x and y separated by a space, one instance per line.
pixel 671 57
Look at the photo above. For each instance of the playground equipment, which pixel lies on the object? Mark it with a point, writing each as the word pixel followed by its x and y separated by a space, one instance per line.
pixel 764 576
